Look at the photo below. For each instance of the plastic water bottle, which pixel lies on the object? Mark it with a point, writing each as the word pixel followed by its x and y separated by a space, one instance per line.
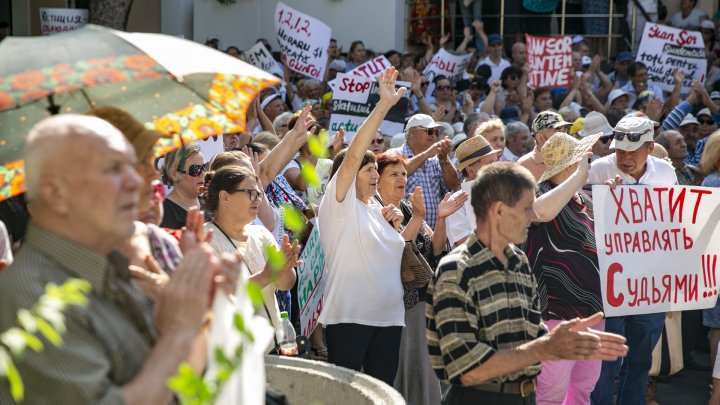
pixel 286 336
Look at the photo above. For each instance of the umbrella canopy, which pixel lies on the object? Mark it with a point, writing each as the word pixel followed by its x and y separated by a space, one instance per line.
pixel 173 85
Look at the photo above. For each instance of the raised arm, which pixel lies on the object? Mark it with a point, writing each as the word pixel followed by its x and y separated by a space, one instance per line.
pixel 283 153
pixel 416 81
pixel 548 205
pixel 361 142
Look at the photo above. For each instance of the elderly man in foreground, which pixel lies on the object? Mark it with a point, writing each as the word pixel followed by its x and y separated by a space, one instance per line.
pixel 82 191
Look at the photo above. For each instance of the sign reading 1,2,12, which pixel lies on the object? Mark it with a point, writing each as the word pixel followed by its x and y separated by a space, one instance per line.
pixel 303 40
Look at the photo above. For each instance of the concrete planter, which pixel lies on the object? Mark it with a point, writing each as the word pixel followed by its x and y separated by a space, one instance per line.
pixel 318 383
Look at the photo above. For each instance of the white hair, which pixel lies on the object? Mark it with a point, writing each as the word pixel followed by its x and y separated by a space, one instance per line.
pixel 47 138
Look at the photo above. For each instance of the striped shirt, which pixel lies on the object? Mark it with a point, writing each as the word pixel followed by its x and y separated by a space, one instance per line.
pixel 564 260
pixel 476 307
pixel 105 344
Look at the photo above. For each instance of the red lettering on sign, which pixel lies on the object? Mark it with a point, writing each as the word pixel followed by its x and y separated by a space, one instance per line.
pixel 614 300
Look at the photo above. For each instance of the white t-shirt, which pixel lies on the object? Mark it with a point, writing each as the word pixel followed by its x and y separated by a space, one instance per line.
pixel 495 70
pixel 254 257
pixel 362 258
pixel 657 173
pixel 692 22
pixel 461 223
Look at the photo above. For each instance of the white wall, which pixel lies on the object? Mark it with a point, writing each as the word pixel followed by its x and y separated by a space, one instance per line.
pixel 379 23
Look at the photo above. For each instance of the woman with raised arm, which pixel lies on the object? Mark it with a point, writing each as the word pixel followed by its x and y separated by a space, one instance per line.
pixel 363 305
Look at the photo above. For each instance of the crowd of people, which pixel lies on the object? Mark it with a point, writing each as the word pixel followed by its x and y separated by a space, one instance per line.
pixel 482 197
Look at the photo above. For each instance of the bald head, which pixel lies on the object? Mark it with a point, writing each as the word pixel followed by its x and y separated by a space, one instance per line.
pixel 81 180
pixel 59 139
pixel 519 53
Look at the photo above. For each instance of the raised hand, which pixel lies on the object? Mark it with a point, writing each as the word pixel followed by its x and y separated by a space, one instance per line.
pixel 386 82
pixel 303 124
pixel 443 147
pixel 451 203
pixel 417 199
pixel 194 231
pixel 291 253
pixel 678 75
pixel 393 215
pixel 444 40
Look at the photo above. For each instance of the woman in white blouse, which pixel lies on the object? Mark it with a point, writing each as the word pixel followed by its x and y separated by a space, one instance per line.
pixel 363 305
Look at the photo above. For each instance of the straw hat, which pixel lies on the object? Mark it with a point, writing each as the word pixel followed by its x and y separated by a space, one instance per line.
pixel 472 150
pixel 562 151
pixel 141 138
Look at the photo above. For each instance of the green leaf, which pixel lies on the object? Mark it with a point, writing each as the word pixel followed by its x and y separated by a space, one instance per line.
pixel 308 173
pixel 239 321
pixel 255 294
pixel 49 332
pixel 294 219
pixel 52 315
pixel 221 358
pixel 318 144
pixel 17 389
pixel 5 361
pixel 14 339
pixel 33 342
pixel 27 320
pixel 275 258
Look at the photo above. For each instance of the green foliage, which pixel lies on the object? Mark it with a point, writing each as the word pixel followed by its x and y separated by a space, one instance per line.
pixel 294 219
pixel 46 317
pixel 192 389
pixel 307 171
pixel 275 258
pixel 317 144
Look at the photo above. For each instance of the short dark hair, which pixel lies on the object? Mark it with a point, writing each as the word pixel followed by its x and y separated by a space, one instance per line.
pixel 390 53
pixel 510 71
pixel 499 182
pixel 614 115
pixel 226 179
pixel 369 157
pixel 540 90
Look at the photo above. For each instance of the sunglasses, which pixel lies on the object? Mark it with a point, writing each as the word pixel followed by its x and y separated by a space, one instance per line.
pixel 254 194
pixel 441 88
pixel 706 122
pixel 430 131
pixel 606 139
pixel 195 170
pixel 631 136
pixel 378 141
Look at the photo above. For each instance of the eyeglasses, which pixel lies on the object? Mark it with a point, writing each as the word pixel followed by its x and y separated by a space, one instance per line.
pixel 378 141
pixel 441 88
pixel 706 122
pixel 254 194
pixel 631 136
pixel 195 170
pixel 606 139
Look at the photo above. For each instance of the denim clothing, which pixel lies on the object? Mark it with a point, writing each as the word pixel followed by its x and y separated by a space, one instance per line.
pixel 642 333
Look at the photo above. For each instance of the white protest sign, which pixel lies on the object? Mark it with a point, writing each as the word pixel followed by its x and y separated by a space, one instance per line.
pixel 311 283
pixel 303 40
pixel 445 64
pixel 260 57
pixel 353 100
pixel 550 61
pixel 657 247
pixel 371 68
pixel 58 20
pixel 664 49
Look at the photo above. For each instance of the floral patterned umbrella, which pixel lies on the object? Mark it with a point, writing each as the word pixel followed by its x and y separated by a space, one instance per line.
pixel 175 86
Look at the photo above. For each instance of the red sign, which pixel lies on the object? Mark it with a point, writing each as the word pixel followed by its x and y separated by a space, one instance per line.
pixel 550 60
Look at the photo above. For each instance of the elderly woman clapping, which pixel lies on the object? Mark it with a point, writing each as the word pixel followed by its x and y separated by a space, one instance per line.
pixel 233 199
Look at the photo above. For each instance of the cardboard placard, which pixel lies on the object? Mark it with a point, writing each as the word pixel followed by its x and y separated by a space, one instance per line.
pixel 371 69
pixel 657 247
pixel 663 49
pixel 311 278
pixel 353 100
pixel 58 20
pixel 445 64
pixel 550 61
pixel 303 40
pixel 260 57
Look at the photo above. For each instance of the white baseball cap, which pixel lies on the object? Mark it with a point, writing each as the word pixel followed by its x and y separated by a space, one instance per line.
pixel 641 129
pixel 689 119
pixel 422 121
